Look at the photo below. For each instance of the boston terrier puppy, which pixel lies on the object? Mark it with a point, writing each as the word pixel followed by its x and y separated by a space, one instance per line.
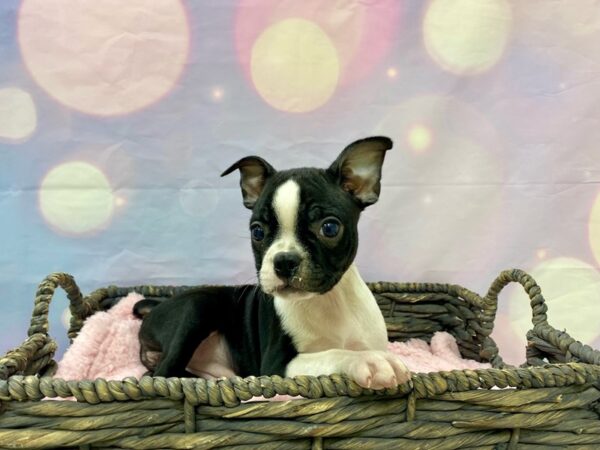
pixel 311 313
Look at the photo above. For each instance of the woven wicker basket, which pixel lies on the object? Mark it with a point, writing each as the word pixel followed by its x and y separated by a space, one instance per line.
pixel 550 403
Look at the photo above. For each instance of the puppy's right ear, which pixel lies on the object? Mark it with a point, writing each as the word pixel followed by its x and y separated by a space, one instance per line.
pixel 254 172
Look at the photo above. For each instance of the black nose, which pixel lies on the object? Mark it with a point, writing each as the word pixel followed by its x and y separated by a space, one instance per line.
pixel 286 264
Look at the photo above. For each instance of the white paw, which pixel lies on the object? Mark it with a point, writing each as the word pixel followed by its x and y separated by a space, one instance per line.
pixel 377 370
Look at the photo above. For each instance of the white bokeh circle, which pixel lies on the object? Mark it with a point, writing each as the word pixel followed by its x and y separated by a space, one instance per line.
pixel 65 318
pixel 594 229
pixel 76 198
pixel 571 288
pixel 467 37
pixel 18 115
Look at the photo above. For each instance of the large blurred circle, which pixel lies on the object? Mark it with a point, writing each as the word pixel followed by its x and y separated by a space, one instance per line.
pixel 423 122
pixel 76 198
pixel 571 288
pixel 18 116
pixel 294 66
pixel 467 36
pixel 106 57
pixel 448 177
pixel 362 32
pixel 198 198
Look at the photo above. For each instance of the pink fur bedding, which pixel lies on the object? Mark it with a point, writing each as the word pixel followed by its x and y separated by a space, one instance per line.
pixel 107 347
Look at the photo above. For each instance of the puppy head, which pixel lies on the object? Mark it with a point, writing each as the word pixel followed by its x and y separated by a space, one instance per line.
pixel 304 221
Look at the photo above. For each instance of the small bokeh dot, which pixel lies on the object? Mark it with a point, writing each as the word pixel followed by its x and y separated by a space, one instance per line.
pixel 419 137
pixel 217 94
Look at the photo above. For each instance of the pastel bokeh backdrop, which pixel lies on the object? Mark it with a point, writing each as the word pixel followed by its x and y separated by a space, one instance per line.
pixel 116 119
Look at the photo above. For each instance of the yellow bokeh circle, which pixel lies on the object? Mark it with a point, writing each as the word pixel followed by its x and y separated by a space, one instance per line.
pixel 467 37
pixel 108 57
pixel 594 229
pixel 18 116
pixel 571 288
pixel 419 137
pixel 76 198
pixel 294 65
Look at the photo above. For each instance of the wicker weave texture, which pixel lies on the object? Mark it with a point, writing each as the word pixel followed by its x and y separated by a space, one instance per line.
pixel 551 402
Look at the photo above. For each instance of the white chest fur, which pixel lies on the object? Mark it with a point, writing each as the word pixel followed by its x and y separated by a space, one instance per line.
pixel 347 317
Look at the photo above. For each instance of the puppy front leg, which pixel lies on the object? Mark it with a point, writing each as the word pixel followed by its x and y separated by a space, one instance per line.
pixel 370 368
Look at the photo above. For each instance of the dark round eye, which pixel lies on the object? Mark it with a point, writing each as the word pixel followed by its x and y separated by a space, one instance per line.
pixel 330 228
pixel 258 232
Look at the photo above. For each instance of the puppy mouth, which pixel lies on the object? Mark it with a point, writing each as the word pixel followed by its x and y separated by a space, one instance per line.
pixel 291 293
pixel 288 289
pixel 296 287
pixel 291 288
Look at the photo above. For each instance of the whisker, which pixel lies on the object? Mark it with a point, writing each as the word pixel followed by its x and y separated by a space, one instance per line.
pixel 247 286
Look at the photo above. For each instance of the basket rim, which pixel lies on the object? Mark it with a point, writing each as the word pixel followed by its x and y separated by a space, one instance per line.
pixel 582 366
pixel 232 391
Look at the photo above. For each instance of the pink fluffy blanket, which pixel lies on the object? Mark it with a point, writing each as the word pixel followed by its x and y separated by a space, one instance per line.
pixel 108 347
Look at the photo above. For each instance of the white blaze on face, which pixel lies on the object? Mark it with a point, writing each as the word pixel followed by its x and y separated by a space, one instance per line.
pixel 286 202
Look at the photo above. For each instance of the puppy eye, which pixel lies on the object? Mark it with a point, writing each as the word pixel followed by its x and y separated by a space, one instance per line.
pixel 330 228
pixel 257 232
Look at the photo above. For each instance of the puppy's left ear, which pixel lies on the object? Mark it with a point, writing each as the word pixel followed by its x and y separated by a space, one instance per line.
pixel 358 168
pixel 254 172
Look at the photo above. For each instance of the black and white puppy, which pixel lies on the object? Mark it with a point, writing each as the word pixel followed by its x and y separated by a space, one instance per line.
pixel 312 313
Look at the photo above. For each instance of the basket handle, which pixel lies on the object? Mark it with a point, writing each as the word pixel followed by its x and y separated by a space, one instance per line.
pixel 537 302
pixel 80 309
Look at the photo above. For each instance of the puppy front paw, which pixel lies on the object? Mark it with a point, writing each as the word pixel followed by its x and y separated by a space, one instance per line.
pixel 378 370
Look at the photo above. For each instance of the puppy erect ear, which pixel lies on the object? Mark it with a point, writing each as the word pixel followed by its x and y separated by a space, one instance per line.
pixel 254 173
pixel 358 168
